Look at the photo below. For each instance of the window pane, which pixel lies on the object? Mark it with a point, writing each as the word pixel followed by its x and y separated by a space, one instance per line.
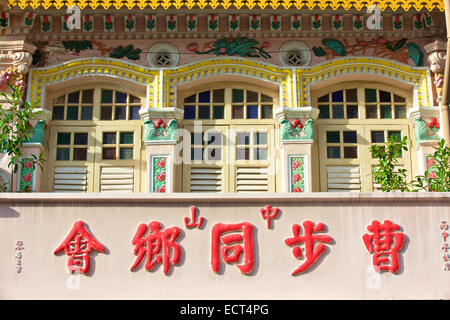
pixel 265 98
pixel 260 154
pixel 60 100
pixel 386 112
pixel 333 152
pixel 260 138
pixel 214 154
pixel 371 112
pixel 62 154
pixel 121 113
pixel 88 96
pixel 106 113
pixel 333 137
pixel 219 95
pixel 371 95
pixel 385 96
pixel 238 95
pixel 190 99
pixel 126 153
pixel 109 154
pixel 121 97
pixel 63 138
pixel 72 113
pixel 80 139
pixel 400 112
pixel 197 138
pixel 337 96
pixel 73 97
pixel 196 154
pixel 267 112
pixel 109 138
pixel 238 112
pixel 396 134
pixel 204 97
pixel 80 154
pixel 398 98
pixel 252 96
pixel 215 138
pixel 377 136
pixel 351 95
pixel 218 112
pixel 106 96
pixel 349 136
pixel 134 99
pixel 324 98
pixel 252 112
pixel 338 112
pixel 352 112
pixel 58 113
pixel 134 113
pixel 126 138
pixel 350 152
pixel 324 112
pixel 86 113
pixel 243 138
pixel 242 154
pixel 189 112
pixel 203 112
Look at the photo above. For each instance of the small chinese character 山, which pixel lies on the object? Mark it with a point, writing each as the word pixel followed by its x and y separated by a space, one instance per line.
pixel 78 245
pixel 384 243
pixel 234 246
pixel 159 245
pixel 312 251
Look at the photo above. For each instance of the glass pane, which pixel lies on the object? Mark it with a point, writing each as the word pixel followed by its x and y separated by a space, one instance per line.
pixel 106 113
pixel 260 154
pixel 338 112
pixel 242 154
pixel 400 112
pixel 204 97
pixel 252 96
pixel 107 96
pixel 324 98
pixel 121 97
pixel 109 154
pixel 88 96
pixel 324 112
pixel 333 137
pixel 134 99
pixel 121 113
pixel 371 112
pixel 72 113
pixel 189 112
pixel 215 138
pixel 386 112
pixel 352 112
pixel 73 97
pixel 190 99
pixel 238 112
pixel 377 136
pixel 126 138
pixel 260 138
pixel 80 139
pixel 238 95
pixel 86 113
pixel 109 138
pixel 80 154
pixel 218 112
pixel 252 112
pixel 351 95
pixel 134 113
pixel 333 152
pixel 214 154
pixel 350 152
pixel 267 112
pixel 63 138
pixel 197 138
pixel 243 138
pixel 62 154
pixel 371 95
pixel 203 112
pixel 126 153
pixel 219 95
pixel 396 134
pixel 265 98
pixel 337 96
pixel 349 136
pixel 385 96
pixel 59 100
pixel 196 154
pixel 398 98
pixel 58 113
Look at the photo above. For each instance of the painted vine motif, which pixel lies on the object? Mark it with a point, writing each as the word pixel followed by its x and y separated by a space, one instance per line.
pixel 159 174
pixel 243 47
pixel 26 176
pixel 297 176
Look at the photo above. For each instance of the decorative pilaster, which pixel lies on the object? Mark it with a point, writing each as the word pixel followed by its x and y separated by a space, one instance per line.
pixel 436 58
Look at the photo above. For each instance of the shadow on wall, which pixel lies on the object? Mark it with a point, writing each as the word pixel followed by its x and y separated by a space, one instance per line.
pixel 7 212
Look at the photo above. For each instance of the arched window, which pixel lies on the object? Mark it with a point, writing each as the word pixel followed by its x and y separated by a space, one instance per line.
pixel 95 139
pixel 354 116
pixel 232 148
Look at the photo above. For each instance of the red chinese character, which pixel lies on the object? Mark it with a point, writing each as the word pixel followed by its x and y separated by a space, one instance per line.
pixel 384 243
pixel 309 239
pixel 231 250
pixel 269 213
pixel 78 244
pixel 155 242
pixel 194 223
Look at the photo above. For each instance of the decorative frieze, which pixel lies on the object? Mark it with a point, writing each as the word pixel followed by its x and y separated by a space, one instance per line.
pixel 296 173
pixel 159 173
